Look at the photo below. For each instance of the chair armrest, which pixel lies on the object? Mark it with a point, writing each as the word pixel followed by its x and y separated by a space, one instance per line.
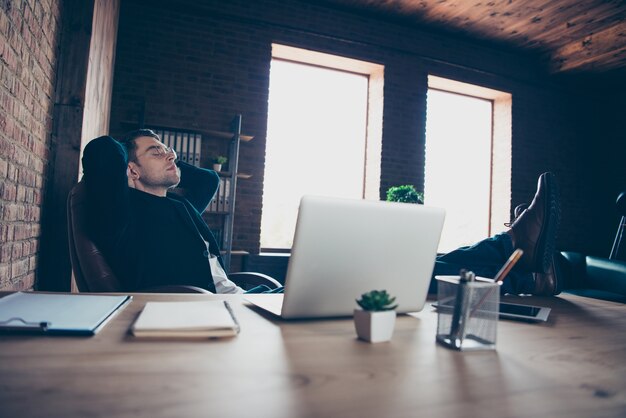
pixel 595 274
pixel 175 289
pixel 607 275
pixel 573 268
pixel 252 279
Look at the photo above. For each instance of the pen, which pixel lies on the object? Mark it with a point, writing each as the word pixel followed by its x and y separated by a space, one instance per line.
pixel 506 268
pixel 500 275
pixel 460 314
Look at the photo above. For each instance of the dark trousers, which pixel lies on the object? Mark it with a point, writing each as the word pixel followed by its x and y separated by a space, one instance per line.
pixel 484 258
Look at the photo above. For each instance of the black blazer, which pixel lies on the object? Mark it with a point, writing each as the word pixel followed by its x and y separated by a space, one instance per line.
pixel 149 240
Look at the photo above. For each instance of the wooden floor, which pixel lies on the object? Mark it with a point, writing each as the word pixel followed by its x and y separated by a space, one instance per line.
pixel 572 366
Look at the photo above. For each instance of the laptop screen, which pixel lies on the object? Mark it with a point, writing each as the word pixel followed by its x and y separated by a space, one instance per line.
pixel 345 247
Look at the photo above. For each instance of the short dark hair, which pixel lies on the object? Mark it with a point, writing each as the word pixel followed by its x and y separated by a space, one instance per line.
pixel 128 141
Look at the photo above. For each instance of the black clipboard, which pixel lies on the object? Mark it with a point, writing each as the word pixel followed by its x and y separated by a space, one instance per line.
pixel 58 314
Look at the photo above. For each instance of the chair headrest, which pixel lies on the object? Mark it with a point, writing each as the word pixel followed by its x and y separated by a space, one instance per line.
pixel 621 203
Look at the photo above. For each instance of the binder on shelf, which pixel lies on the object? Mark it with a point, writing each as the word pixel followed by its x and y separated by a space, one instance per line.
pixel 196 152
pixel 226 195
pixel 190 319
pixel 213 204
pixel 60 314
pixel 221 200
pixel 186 144
pixel 220 196
pixel 178 144
pixel 184 148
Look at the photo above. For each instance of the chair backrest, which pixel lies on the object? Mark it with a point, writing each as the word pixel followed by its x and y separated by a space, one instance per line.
pixel 91 271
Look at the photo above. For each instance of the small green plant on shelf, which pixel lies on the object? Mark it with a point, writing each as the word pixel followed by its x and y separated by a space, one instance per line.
pixel 405 194
pixel 377 300
pixel 220 159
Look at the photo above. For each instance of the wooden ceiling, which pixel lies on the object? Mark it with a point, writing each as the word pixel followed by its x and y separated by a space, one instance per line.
pixel 574 36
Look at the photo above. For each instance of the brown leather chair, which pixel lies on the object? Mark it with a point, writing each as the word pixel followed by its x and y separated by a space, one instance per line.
pixel 92 273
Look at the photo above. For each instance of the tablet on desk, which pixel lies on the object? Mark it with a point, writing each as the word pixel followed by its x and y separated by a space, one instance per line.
pixel 524 312
pixel 519 312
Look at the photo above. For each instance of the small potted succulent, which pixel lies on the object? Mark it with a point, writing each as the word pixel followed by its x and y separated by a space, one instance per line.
pixel 218 162
pixel 375 321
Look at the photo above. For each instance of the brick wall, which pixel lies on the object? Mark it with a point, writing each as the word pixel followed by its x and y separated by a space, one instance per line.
pixel 82 108
pixel 29 33
pixel 197 64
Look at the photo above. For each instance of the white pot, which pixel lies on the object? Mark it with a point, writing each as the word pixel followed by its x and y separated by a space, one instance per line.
pixel 374 327
pixel 217 167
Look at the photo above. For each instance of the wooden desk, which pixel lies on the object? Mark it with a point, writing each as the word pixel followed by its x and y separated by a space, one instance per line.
pixel 572 366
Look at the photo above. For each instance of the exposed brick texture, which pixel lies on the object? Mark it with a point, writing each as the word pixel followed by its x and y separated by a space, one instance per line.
pixel 197 64
pixel 29 33
pixel 81 112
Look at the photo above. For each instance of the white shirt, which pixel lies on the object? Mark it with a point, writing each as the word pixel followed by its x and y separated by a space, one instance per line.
pixel 220 279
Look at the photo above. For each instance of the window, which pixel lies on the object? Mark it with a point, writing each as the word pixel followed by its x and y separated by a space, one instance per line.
pixel 467 168
pixel 317 141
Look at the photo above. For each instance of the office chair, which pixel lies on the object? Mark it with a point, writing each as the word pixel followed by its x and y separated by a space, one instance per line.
pixel 621 207
pixel 92 273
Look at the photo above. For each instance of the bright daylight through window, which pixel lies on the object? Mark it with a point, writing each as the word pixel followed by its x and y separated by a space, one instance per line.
pixel 316 141
pixel 458 165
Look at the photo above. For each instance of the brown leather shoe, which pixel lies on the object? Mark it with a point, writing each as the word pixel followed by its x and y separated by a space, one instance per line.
pixel 549 283
pixel 519 209
pixel 534 231
pixel 516 213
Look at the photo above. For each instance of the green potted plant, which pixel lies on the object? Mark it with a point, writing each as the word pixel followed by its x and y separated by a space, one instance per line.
pixel 405 194
pixel 376 318
pixel 218 162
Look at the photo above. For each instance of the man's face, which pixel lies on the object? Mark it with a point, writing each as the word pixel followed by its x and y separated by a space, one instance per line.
pixel 154 169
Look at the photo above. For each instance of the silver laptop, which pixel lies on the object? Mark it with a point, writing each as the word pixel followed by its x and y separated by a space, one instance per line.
pixel 343 248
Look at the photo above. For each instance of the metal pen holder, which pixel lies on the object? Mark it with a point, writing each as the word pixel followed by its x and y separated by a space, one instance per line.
pixel 467 313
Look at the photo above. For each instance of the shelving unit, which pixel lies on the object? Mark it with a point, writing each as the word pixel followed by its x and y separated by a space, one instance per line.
pixel 187 143
pixel 233 166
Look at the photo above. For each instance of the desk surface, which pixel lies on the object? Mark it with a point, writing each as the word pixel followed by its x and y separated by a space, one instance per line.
pixel 572 366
